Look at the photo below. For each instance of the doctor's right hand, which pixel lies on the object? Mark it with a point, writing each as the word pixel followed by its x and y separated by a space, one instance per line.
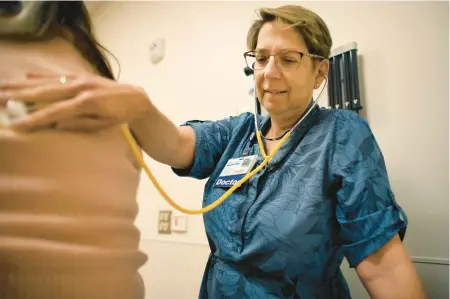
pixel 87 103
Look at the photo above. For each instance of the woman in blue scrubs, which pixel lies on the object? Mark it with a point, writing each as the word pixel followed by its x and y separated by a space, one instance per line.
pixel 324 196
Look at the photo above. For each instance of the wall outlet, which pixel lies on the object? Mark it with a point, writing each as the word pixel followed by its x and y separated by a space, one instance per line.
pixel 164 224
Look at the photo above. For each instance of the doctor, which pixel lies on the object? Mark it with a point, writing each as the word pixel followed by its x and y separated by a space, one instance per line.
pixel 324 196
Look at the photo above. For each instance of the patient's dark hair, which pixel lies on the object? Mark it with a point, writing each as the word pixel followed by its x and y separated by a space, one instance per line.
pixel 74 15
pixel 69 19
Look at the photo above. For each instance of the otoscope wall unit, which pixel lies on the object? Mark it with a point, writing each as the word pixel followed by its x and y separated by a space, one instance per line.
pixel 343 78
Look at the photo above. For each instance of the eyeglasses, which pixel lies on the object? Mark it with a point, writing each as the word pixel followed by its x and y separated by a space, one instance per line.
pixel 286 60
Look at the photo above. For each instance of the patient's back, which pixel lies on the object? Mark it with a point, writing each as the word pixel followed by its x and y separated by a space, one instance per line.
pixel 67 200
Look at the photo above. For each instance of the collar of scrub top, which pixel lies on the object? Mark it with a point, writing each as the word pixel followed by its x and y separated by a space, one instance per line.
pixel 297 133
pixel 264 122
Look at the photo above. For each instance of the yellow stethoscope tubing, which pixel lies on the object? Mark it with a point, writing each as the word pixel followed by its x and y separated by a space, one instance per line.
pixel 137 153
pixel 267 158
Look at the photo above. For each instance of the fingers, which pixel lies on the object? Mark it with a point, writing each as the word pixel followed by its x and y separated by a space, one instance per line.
pixel 85 123
pixel 49 76
pixel 8 89
pixel 69 78
pixel 42 91
pixel 34 80
pixel 50 115
pixel 88 103
pixel 82 112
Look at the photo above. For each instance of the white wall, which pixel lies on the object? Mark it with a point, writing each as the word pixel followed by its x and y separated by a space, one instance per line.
pixel 403 49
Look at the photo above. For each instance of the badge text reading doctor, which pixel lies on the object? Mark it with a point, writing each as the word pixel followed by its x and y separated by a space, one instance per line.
pixel 234 170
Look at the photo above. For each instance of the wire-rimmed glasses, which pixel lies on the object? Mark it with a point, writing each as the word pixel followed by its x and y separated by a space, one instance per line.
pixel 286 60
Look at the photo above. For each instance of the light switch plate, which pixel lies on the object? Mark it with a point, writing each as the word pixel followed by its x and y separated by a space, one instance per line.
pixel 179 223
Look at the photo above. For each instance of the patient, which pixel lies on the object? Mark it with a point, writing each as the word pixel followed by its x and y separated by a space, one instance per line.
pixel 67 199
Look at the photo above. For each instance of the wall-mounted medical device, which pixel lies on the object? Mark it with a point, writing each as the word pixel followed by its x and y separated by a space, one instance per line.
pixel 343 78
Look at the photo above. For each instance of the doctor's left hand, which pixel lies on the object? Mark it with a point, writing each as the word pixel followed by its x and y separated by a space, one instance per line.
pixel 87 103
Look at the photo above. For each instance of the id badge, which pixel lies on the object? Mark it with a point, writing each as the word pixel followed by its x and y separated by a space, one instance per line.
pixel 234 170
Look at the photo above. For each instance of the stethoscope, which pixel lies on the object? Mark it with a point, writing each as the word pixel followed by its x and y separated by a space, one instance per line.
pixel 267 158
pixel 283 137
pixel 24 22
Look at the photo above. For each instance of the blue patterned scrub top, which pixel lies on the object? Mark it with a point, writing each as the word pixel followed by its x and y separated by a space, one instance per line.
pixel 285 232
